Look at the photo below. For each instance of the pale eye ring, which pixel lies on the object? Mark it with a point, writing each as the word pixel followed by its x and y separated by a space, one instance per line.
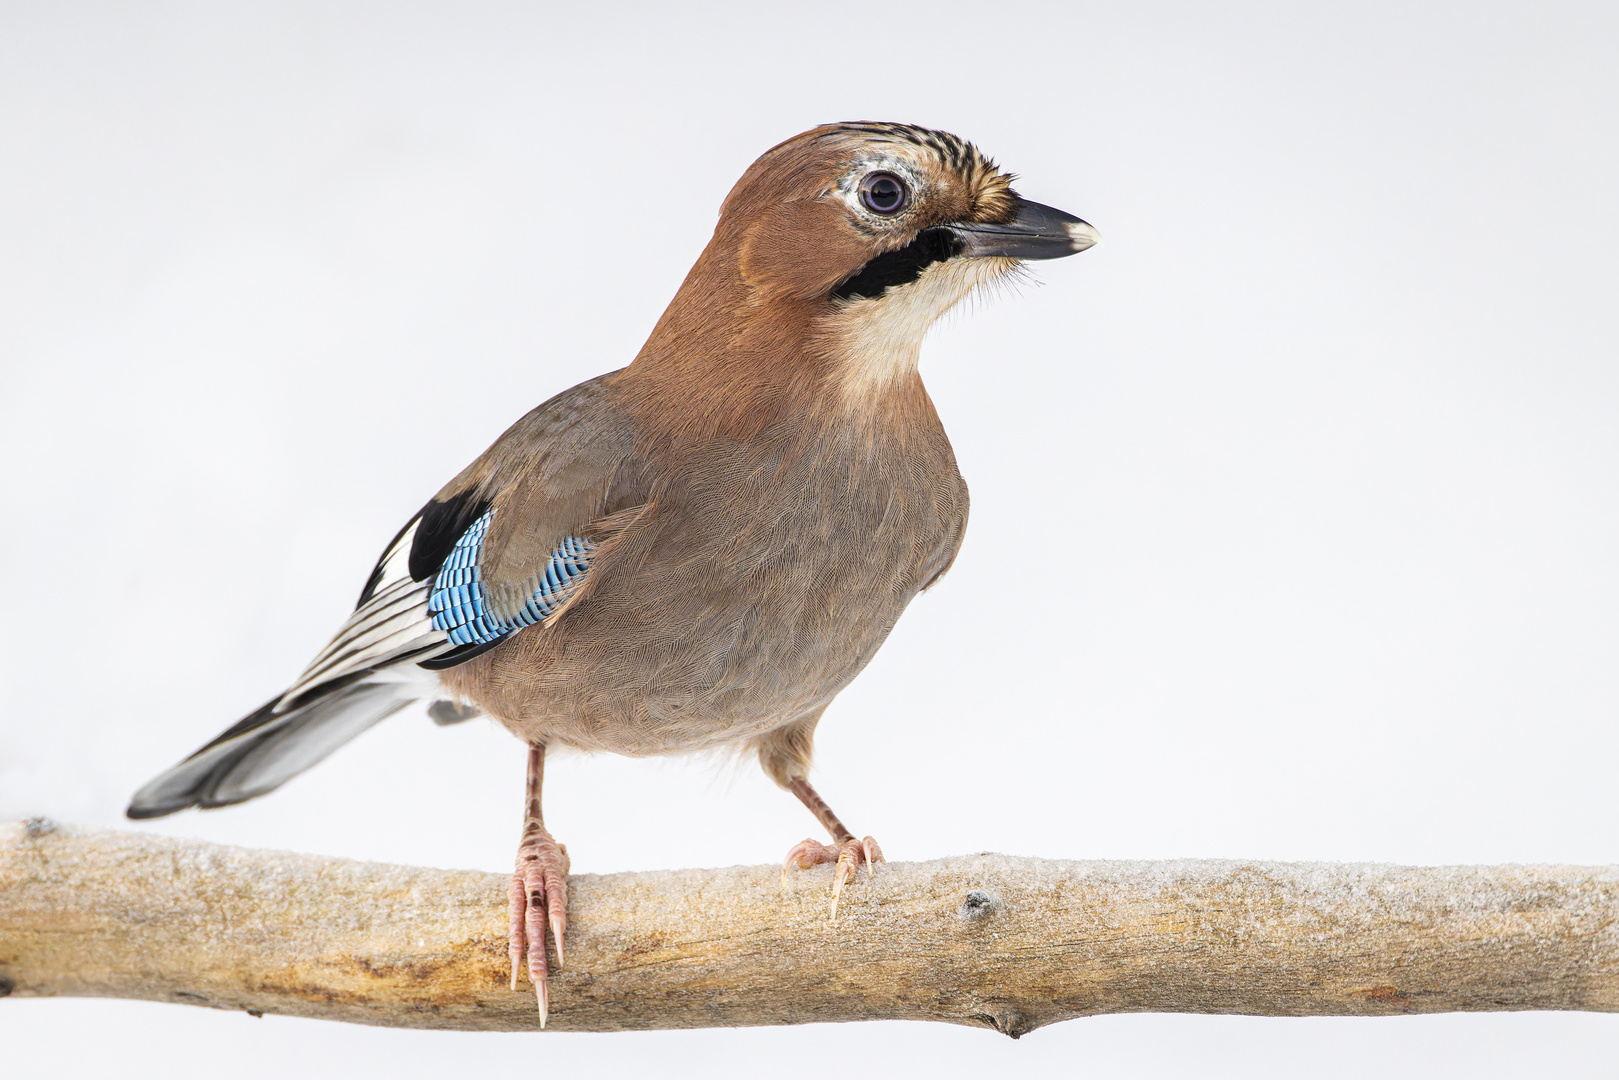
pixel 884 193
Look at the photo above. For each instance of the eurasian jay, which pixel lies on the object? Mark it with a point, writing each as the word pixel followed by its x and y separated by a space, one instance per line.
pixel 701 549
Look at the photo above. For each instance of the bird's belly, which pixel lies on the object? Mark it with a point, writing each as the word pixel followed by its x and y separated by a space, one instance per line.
pixel 696 683
pixel 665 662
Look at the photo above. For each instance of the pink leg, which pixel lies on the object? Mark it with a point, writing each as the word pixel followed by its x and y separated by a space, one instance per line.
pixel 539 891
pixel 844 850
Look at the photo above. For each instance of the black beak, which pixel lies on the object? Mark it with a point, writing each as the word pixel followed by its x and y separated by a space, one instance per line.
pixel 1035 232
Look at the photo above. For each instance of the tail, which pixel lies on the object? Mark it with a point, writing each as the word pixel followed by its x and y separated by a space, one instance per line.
pixel 266 748
pixel 364 675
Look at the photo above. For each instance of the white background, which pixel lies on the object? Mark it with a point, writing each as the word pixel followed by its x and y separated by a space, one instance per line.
pixel 1295 504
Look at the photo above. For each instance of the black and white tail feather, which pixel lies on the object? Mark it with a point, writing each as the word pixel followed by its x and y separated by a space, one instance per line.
pixel 368 672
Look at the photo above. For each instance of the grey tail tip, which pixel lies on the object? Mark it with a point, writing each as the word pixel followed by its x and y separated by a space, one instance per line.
pixel 265 749
pixel 136 812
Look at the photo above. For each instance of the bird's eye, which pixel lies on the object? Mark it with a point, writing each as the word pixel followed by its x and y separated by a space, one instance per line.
pixel 884 193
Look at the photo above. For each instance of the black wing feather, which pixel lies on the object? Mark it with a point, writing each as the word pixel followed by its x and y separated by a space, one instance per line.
pixel 442 524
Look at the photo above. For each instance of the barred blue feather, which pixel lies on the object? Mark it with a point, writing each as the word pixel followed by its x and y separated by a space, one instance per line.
pixel 459 606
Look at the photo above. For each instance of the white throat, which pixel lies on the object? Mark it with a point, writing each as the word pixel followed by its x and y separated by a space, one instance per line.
pixel 877 341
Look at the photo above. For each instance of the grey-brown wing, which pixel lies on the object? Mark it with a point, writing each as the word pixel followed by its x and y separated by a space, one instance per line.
pixel 507 541
pixel 500 547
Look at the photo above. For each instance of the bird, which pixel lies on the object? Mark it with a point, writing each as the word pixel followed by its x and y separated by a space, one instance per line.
pixel 699 550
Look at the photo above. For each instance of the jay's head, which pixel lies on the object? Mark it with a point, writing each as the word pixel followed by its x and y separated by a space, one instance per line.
pixel 881 228
pixel 840 247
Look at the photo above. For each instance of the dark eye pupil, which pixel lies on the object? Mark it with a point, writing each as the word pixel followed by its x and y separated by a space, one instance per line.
pixel 883 192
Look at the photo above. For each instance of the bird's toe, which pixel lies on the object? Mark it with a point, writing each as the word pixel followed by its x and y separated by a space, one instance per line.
pixel 848 855
pixel 539 899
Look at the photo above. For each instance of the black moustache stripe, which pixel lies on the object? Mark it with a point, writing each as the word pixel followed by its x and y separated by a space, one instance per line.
pixel 900 267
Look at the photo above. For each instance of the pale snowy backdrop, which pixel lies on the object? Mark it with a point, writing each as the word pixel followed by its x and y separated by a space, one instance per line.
pixel 1295 525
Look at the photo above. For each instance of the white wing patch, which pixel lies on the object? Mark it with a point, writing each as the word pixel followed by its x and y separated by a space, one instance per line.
pixel 392 625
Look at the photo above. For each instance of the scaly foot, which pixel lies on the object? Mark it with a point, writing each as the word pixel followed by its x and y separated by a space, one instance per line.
pixel 539 896
pixel 848 855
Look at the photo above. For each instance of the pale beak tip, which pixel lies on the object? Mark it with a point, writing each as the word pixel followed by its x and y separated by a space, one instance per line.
pixel 1082 235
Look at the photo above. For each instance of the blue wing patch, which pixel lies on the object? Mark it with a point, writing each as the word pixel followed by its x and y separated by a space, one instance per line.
pixel 457 601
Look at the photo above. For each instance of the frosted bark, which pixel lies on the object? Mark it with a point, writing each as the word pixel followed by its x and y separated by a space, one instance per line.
pixel 1008 943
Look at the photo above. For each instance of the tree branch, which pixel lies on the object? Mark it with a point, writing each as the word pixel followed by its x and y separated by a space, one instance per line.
pixel 986 939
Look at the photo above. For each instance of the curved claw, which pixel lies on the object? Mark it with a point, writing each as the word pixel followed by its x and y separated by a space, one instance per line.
pixel 851 853
pixel 516 909
pixel 807 853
